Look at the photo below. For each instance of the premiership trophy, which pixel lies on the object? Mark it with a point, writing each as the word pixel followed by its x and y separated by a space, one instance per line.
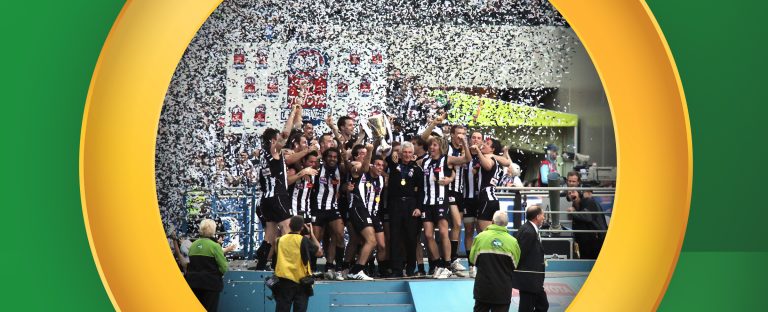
pixel 378 124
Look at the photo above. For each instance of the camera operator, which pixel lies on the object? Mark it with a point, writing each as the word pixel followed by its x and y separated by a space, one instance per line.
pixel 293 253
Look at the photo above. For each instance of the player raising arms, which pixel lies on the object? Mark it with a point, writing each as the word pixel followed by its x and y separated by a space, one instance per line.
pixel 275 201
pixel 491 171
pixel 365 198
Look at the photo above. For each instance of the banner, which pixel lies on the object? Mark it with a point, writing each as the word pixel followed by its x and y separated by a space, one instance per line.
pixel 265 79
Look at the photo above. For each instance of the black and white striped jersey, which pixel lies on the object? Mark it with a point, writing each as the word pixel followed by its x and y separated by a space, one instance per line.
pixel 300 194
pixel 434 170
pixel 458 184
pixel 272 176
pixel 367 192
pixel 423 157
pixel 470 181
pixel 325 194
pixel 488 181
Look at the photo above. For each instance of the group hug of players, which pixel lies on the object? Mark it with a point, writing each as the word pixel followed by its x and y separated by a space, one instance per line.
pixel 384 197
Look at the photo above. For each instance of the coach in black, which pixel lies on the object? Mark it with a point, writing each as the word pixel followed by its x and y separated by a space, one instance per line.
pixel 529 275
pixel 405 185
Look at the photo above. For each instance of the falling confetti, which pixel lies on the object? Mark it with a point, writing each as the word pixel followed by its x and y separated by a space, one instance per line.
pixel 234 79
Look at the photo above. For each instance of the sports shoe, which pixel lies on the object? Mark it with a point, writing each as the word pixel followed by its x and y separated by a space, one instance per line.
pixel 444 273
pixel 472 271
pixel 361 276
pixel 339 277
pixel 456 266
pixel 344 274
pixel 437 272
pixel 460 273
pixel 330 274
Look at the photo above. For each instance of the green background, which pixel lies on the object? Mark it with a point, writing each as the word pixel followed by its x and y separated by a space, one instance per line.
pixel 50 49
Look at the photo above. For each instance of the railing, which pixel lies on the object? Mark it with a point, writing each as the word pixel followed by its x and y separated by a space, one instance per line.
pixel 520 197
pixel 239 204
pixel 234 206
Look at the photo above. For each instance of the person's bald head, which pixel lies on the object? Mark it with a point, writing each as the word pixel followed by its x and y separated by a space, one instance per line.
pixel 535 214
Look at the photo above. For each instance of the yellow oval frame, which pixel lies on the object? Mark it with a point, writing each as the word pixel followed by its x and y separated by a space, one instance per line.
pixel 117 149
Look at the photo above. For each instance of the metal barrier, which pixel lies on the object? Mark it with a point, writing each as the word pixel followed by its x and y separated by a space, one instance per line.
pixel 234 207
pixel 520 197
pixel 238 204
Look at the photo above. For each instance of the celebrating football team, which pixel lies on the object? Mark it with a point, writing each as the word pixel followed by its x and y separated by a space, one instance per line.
pixel 398 200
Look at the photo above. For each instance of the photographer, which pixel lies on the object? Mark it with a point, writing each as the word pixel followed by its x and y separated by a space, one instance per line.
pixel 589 243
pixel 292 256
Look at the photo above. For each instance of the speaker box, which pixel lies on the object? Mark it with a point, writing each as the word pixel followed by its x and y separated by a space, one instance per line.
pixel 557 248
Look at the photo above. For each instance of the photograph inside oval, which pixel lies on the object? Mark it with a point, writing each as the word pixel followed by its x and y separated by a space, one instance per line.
pixel 386 156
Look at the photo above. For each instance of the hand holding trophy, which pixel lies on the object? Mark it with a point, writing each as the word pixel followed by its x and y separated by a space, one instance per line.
pixel 377 124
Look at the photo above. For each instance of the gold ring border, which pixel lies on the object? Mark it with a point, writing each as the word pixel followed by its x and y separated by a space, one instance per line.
pixel 145 44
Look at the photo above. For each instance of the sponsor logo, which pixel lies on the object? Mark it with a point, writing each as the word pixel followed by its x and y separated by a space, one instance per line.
pixel 238 60
pixel 377 59
pixel 249 90
pixel 262 59
pixel 365 87
pixel 354 58
pixel 496 243
pixel 272 87
pixel 342 88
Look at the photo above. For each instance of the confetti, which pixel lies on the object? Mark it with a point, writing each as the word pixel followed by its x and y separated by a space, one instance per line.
pixel 388 55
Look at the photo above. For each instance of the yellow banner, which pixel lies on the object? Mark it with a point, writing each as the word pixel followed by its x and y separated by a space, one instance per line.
pixel 473 110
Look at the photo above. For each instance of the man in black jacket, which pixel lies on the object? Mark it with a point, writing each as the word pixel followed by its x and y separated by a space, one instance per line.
pixel 529 275
pixel 589 243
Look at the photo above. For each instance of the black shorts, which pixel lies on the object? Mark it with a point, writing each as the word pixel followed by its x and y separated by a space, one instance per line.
pixel 323 217
pixel 383 215
pixel 361 218
pixel 276 209
pixel 486 209
pixel 471 207
pixel 344 212
pixel 455 198
pixel 434 213
pixel 260 215
pixel 307 217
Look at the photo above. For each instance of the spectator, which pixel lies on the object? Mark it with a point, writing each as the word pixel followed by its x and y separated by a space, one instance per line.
pixel 496 254
pixel 512 176
pixel 293 253
pixel 548 168
pixel 206 266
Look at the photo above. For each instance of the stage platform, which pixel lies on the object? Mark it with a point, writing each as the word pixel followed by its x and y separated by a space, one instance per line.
pixel 245 291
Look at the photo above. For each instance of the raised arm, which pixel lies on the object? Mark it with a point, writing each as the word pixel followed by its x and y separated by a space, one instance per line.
pixel 367 161
pixel 485 161
pixel 297 123
pixel 334 129
pixel 465 157
pixel 282 138
pixel 295 157
pixel 504 160
pixel 428 131
pixel 296 176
